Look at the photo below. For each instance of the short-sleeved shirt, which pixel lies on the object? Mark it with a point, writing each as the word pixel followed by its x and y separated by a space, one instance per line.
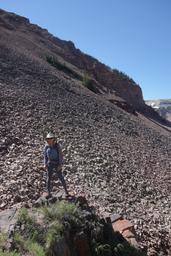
pixel 53 154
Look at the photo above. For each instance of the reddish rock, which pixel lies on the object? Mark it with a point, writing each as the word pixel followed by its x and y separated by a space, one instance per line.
pixel 128 234
pixel 62 248
pixel 126 228
pixel 81 244
pixel 122 225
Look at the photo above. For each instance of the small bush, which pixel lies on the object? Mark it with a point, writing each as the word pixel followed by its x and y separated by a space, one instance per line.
pixel 5 253
pixel 103 250
pixel 41 240
pixel 87 82
pixel 122 76
pixel 32 230
pixel 54 235
pixel 26 245
pixel 20 242
pixel 35 249
pixel 127 250
pixel 24 218
pixel 58 211
pixel 62 66
pixel 3 239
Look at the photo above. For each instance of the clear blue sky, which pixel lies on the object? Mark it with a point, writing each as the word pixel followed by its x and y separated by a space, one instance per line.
pixel 133 36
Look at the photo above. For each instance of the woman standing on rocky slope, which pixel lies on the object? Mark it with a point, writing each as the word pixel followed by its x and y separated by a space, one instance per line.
pixel 53 161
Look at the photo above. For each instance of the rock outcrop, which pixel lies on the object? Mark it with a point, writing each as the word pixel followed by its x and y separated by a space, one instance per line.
pixel 66 228
pixel 38 43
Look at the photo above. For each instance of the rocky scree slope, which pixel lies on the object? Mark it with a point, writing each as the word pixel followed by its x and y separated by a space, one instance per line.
pixel 120 164
pixel 30 39
pixel 112 156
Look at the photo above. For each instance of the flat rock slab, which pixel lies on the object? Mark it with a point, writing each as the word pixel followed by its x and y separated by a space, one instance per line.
pixel 115 217
pixel 8 218
pixel 126 228
pixel 122 225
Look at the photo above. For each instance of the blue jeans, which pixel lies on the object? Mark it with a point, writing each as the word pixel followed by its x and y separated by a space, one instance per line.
pixel 50 170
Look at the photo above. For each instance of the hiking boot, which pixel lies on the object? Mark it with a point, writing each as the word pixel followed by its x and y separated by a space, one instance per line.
pixel 47 195
pixel 67 194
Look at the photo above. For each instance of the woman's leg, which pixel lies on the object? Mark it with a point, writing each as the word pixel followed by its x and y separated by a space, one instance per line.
pixel 48 179
pixel 61 178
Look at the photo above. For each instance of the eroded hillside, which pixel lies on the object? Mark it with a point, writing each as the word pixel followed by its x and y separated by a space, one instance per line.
pixel 111 155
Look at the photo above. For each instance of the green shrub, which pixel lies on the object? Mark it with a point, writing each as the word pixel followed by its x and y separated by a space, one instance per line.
pixel 54 235
pixel 58 210
pixel 35 249
pixel 20 242
pixel 125 249
pixel 3 239
pixel 41 240
pixel 6 253
pixel 103 250
pixel 88 82
pixel 24 218
pixel 26 245
pixel 62 66
pixel 122 76
pixel 32 230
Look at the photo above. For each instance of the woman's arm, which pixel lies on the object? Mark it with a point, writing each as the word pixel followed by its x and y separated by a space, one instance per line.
pixel 45 157
pixel 61 158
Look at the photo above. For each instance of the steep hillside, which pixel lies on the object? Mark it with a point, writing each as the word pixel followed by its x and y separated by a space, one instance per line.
pixel 121 164
pixel 38 45
pixel 37 42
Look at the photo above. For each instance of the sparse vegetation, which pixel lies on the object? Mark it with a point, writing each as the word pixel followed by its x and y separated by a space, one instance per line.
pixel 32 236
pixel 54 235
pixel 5 253
pixel 3 239
pixel 116 247
pixel 122 76
pixel 39 240
pixel 28 246
pixel 36 249
pixel 35 239
pixel 103 250
pixel 126 249
pixel 88 82
pixel 32 230
pixel 62 66
pixel 24 218
pixel 58 211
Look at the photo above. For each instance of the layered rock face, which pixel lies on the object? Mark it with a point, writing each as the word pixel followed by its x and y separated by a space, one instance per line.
pixel 121 164
pixel 39 43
